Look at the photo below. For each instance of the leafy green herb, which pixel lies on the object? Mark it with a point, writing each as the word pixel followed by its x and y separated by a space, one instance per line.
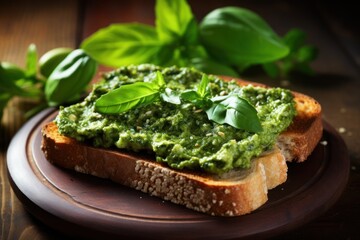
pixel 70 78
pixel 231 109
pixel 9 73
pixel 130 96
pixel 298 60
pixel 31 61
pixel 209 65
pixel 127 97
pixel 227 41
pixel 64 79
pixel 200 97
pixel 174 20
pixel 239 37
pixel 121 44
pixel 170 96
pixel 235 111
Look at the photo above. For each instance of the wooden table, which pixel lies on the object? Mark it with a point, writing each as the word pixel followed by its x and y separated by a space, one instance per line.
pixel 330 27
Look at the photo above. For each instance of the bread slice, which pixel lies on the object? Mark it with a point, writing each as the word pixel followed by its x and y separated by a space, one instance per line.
pixel 231 194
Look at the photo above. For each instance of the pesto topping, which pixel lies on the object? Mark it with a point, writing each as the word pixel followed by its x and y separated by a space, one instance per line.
pixel 180 135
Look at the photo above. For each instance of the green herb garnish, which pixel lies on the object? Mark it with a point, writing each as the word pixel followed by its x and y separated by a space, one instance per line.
pixel 59 78
pixel 227 41
pixel 230 109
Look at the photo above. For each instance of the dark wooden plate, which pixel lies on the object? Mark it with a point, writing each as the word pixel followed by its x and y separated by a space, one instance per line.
pixel 86 206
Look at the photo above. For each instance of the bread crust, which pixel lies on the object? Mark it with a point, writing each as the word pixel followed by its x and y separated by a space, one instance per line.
pixel 302 136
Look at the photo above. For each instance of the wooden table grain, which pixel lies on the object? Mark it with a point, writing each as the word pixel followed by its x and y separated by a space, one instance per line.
pixel 330 26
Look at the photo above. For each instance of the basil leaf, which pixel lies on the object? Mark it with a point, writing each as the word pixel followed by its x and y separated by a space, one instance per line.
pixel 159 80
pixel 10 72
pixel 31 61
pixel 211 66
pixel 306 54
pixel 170 96
pixel 9 75
pixel 127 97
pixel 203 89
pixel 191 35
pixel 236 112
pixel 294 39
pixel 174 19
pixel 237 36
pixel 297 60
pixel 70 78
pixel 190 96
pixel 200 96
pixel 124 44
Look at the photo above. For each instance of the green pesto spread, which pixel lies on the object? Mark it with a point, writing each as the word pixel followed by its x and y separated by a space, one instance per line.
pixel 181 136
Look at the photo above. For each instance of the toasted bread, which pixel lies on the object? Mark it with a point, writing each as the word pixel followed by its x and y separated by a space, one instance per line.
pixel 231 194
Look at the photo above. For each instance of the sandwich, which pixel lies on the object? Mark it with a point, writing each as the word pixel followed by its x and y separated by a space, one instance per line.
pixel 212 144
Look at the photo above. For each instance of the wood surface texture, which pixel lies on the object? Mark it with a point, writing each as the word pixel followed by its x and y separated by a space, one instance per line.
pixel 330 26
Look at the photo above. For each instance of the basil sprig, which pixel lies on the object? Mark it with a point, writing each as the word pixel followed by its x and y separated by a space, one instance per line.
pixel 227 41
pixel 230 109
pixel 59 77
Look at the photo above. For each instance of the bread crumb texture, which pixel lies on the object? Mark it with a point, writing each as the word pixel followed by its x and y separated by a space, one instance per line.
pixel 194 193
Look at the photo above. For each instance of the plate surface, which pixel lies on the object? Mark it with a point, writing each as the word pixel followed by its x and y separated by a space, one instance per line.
pixel 86 206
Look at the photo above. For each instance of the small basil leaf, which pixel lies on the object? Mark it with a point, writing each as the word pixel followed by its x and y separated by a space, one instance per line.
pixel 70 78
pixel 170 96
pixel 10 74
pixel 236 112
pixel 217 113
pixel 200 96
pixel 193 97
pixel 173 19
pixel 190 95
pixel 122 44
pixel 159 79
pixel 127 97
pixel 306 53
pixel 31 60
pixel 237 36
pixel 294 39
pixel 202 88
